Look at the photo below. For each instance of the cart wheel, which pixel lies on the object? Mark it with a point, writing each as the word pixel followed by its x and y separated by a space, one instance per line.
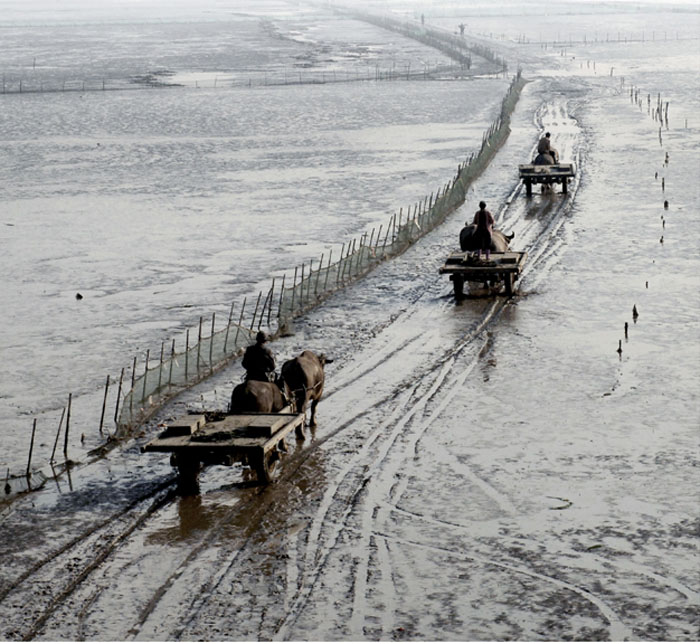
pixel 458 283
pixel 564 185
pixel 188 475
pixel 300 432
pixel 528 187
pixel 266 466
pixel 509 280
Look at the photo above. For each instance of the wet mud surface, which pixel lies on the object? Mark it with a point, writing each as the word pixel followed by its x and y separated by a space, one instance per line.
pixel 483 469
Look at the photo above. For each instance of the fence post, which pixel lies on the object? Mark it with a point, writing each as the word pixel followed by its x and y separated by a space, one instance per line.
pixel 328 270
pixel 337 275
pixel 294 289
pixel 255 313
pixel 187 355
pixel 31 449
pixel 262 310
pixel 211 342
pixel 119 393
pixel 133 384
pixel 228 327
pixel 269 308
pixel 58 433
pixel 318 274
pixel 308 289
pixel 386 234
pixel 160 367
pixel 240 321
pixel 65 436
pixel 104 404
pixel 279 306
pixel 199 343
pixel 145 375
pixel 172 360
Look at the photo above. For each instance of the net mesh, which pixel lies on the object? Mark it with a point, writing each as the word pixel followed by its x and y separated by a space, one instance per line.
pixel 281 304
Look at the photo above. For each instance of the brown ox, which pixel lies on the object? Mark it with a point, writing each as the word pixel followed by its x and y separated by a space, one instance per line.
pixel 499 240
pixel 304 377
pixel 255 395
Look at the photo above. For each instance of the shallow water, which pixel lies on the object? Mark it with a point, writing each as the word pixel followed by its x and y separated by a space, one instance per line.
pixel 487 469
pixel 159 207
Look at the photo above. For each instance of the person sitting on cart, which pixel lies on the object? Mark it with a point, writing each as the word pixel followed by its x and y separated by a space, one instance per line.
pixel 545 147
pixel 483 220
pixel 258 360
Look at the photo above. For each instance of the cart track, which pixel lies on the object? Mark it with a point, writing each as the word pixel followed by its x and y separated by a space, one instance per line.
pixel 306 566
pixel 316 554
pixel 376 463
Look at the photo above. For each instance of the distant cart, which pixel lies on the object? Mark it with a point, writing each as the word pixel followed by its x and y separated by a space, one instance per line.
pixel 255 439
pixel 547 175
pixel 463 267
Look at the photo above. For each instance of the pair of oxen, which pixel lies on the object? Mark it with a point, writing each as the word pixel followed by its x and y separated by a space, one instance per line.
pixel 300 382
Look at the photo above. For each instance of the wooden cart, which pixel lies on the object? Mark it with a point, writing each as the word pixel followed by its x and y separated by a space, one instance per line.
pixel 255 439
pixel 547 175
pixel 463 267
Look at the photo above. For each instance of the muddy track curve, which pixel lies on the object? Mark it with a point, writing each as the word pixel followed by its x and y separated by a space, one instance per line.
pixel 72 580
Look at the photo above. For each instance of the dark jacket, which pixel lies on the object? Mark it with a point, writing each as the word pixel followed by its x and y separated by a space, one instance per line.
pixel 258 362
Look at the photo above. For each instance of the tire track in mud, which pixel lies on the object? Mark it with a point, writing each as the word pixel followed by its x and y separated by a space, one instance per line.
pixel 317 553
pixel 43 575
pixel 541 249
pixel 348 488
pixel 618 630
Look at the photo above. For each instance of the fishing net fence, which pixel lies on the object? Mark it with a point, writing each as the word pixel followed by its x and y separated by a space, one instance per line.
pixel 309 285
pixel 142 388
pixel 457 47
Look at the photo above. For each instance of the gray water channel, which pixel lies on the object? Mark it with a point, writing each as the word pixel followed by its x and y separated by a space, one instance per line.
pixel 488 469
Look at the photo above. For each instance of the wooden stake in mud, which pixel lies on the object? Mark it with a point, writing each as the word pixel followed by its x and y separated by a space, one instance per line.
pixel 240 321
pixel 308 288
pixel 359 256
pixel 301 289
pixel 279 306
pixel 104 405
pixel 211 342
pixel 31 449
pixel 294 290
pixel 318 274
pixel 228 327
pixel 172 361
pixel 119 394
pixel 269 308
pixel 145 375
pixel 262 311
pixel 199 342
pixel 255 313
pixel 351 249
pixel 328 269
pixel 337 275
pixel 58 433
pixel 65 437
pixel 160 366
pixel 187 354
pixel 386 234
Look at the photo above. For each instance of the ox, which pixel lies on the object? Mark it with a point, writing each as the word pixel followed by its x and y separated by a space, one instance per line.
pixel 499 241
pixel 255 395
pixel 304 376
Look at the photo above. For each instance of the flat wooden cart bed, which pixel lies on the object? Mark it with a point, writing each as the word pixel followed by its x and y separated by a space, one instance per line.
pixel 547 175
pixel 503 267
pixel 255 439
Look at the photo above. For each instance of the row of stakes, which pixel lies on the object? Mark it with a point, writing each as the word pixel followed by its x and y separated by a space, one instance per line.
pixel 635 312
pixel 419 207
